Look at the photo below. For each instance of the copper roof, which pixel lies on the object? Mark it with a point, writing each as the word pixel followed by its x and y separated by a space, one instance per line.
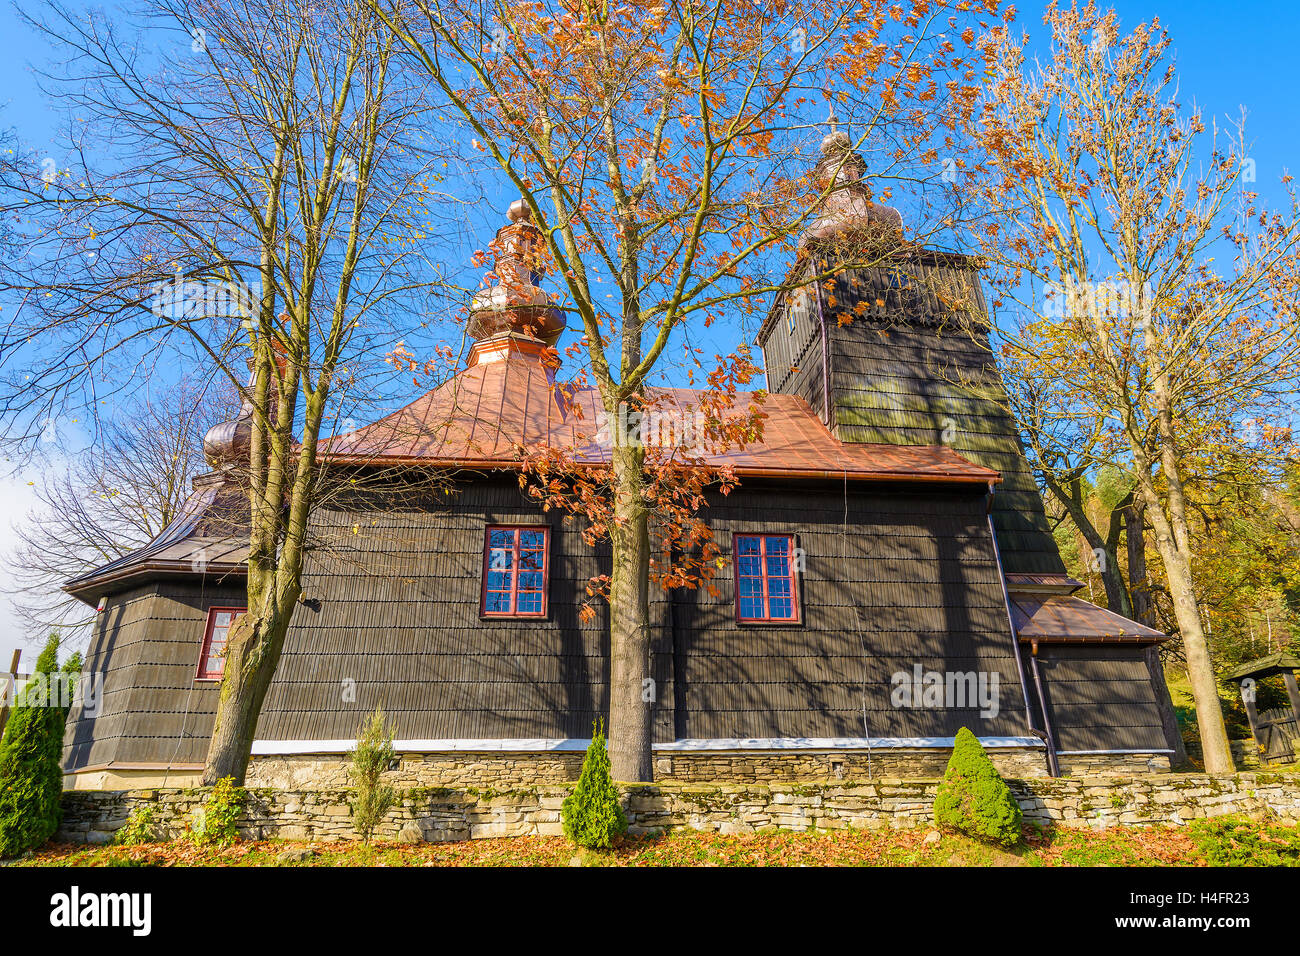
pixel 1058 618
pixel 488 412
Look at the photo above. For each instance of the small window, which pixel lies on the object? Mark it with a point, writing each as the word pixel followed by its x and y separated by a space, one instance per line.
pixel 515 571
pixel 766 585
pixel 212 660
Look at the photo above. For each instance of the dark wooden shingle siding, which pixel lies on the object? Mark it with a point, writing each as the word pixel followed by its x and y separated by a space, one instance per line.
pixel 398 622
pixel 910 366
pixel 1101 697
pixel 893 579
pixel 146 646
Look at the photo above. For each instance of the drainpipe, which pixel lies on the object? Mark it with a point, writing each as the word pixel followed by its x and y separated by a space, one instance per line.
pixel 826 351
pixel 1052 761
pixel 1047 737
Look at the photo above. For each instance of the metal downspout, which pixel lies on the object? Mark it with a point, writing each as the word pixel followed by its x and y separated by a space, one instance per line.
pixel 1052 763
pixel 1047 736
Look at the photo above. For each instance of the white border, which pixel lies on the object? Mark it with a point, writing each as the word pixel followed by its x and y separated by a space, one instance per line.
pixel 1079 753
pixel 267 748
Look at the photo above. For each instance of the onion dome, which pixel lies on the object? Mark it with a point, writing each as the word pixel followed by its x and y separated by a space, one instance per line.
pixel 847 212
pixel 227 444
pixel 514 314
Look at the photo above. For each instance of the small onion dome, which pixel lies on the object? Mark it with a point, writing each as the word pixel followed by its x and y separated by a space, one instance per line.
pixel 514 304
pixel 227 445
pixel 847 211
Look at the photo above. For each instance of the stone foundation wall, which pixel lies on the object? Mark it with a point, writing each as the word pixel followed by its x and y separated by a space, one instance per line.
pixel 1113 765
pixel 459 814
pixel 509 770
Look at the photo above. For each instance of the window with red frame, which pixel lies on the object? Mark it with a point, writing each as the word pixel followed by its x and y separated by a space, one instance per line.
pixel 514 572
pixel 212 661
pixel 766 588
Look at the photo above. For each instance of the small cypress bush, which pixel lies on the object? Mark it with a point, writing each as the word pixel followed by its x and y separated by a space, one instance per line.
pixel 31 773
pixel 373 754
pixel 592 816
pixel 974 799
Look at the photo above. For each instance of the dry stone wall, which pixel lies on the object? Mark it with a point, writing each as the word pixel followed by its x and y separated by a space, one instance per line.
pixel 512 770
pixel 439 814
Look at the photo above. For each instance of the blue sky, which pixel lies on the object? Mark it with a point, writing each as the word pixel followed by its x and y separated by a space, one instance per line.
pixel 1228 56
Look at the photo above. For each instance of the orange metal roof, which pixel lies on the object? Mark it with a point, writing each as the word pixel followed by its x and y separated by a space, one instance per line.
pixel 483 416
pixel 1061 618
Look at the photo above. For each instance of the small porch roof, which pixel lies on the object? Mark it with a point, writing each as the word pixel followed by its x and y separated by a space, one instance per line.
pixel 1061 618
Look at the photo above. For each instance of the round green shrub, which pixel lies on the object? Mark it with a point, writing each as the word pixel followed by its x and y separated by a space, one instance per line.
pixel 591 814
pixel 974 799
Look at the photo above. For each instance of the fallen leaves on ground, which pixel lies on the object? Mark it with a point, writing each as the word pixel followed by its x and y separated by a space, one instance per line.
pixel 1118 846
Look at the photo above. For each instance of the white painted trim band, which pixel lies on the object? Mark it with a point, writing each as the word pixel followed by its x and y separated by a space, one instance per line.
pixel 1144 750
pixel 836 743
pixel 267 748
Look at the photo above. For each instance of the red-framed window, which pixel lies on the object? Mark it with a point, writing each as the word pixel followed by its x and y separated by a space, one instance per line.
pixel 767 583
pixel 515 570
pixel 212 661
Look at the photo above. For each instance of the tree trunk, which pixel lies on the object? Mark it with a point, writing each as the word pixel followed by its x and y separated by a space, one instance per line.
pixel 1200 667
pixel 252 655
pixel 1138 585
pixel 1103 556
pixel 631 690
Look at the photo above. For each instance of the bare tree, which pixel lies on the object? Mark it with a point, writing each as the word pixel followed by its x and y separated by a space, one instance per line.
pixel 100 503
pixel 260 200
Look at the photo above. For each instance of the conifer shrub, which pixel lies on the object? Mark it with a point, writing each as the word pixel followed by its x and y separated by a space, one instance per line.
pixel 371 799
pixel 591 814
pixel 31 775
pixel 974 799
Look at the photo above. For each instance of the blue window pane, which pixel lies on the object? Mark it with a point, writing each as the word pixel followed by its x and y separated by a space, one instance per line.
pixel 530 580
pixel 498 580
pixel 778 587
pixel 530 603
pixel 778 545
pixel 750 567
pixel 498 603
pixel 751 587
pixel 501 539
pixel 746 544
pixel 778 566
pixel 532 540
pixel 782 608
pixel 500 558
pixel 751 607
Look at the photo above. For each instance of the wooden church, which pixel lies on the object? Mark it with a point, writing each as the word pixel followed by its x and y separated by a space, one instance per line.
pixel 892 574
